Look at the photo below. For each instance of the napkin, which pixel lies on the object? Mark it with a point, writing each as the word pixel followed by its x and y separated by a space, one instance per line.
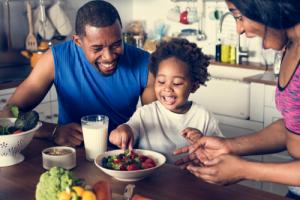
pixel 46 30
pixel 59 19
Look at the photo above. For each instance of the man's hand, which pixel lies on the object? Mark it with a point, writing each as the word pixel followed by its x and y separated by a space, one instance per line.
pixel 68 135
pixel 122 137
pixel 191 134
pixel 205 148
pixel 224 170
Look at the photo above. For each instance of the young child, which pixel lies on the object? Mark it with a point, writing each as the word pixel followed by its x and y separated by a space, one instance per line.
pixel 179 68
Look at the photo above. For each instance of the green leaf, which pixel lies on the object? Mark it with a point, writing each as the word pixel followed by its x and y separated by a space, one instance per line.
pixel 15 111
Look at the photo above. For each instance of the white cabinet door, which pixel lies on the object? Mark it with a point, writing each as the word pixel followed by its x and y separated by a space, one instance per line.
pixel 3 100
pixel 233 127
pixel 271 115
pixel 44 110
pixel 257 94
pixel 54 109
pixel 5 95
pixel 270 95
pixel 274 187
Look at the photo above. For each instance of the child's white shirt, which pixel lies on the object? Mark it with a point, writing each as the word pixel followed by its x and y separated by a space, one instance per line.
pixel 158 129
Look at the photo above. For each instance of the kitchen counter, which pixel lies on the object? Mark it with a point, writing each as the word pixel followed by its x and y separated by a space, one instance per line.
pixel 256 66
pixel 267 78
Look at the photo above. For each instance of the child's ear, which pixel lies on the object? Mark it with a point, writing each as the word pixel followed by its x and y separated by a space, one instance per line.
pixel 195 87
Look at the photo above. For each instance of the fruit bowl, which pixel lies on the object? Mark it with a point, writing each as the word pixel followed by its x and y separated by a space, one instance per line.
pixel 135 175
pixel 11 145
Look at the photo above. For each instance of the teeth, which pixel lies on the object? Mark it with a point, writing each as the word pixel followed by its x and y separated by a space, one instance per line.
pixel 107 65
pixel 169 100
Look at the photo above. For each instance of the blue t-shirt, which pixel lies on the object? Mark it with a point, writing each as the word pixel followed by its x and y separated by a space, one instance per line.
pixel 83 90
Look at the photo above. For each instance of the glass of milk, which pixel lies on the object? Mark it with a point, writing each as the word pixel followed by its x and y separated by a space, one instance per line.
pixel 94 129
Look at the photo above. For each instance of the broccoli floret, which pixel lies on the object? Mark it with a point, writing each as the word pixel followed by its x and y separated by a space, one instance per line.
pixel 53 182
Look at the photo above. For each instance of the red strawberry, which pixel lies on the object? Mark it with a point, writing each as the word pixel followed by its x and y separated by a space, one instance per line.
pixel 146 165
pixel 149 160
pixel 143 158
pixel 117 161
pixel 17 131
pixel 122 168
pixel 132 167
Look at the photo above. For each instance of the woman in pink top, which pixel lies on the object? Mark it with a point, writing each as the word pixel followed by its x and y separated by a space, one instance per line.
pixel 278 24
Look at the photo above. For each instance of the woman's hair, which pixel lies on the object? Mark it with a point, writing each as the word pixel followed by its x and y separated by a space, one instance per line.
pixel 277 14
pixel 185 51
pixel 96 13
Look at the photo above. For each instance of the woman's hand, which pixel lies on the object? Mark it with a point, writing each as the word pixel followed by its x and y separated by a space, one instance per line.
pixel 68 135
pixel 205 148
pixel 223 170
pixel 122 137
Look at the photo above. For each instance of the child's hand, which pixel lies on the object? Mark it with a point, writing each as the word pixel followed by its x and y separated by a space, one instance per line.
pixel 191 134
pixel 122 137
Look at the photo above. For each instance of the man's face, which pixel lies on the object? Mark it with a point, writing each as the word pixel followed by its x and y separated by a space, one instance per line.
pixel 102 46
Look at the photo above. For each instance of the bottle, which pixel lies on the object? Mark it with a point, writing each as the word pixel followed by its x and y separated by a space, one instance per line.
pixel 232 56
pixel 218 50
pixel 225 51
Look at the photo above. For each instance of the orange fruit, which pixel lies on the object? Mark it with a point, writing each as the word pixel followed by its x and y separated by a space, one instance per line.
pixel 79 190
pixel 88 195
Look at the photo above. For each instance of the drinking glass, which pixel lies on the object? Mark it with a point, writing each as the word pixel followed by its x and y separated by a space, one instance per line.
pixel 94 129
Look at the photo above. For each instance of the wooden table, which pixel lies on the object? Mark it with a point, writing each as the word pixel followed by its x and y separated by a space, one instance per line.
pixel 18 182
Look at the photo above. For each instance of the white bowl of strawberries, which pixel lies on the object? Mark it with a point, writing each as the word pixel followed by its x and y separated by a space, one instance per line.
pixel 129 165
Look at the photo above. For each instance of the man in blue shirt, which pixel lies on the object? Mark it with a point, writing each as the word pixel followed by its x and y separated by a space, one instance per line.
pixel 95 73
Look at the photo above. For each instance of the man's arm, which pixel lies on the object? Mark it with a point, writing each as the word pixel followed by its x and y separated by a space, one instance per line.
pixel 33 89
pixel 148 94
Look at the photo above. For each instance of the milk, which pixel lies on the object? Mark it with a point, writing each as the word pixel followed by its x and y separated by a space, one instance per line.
pixel 94 136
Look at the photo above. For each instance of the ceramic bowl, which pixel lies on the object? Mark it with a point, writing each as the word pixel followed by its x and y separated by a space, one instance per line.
pixel 11 145
pixel 60 156
pixel 135 175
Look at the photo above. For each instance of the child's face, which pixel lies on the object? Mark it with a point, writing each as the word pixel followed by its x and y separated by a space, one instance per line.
pixel 173 85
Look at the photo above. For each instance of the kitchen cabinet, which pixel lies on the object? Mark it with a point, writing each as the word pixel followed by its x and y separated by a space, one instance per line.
pixel 234 127
pixel 5 95
pixel 263 109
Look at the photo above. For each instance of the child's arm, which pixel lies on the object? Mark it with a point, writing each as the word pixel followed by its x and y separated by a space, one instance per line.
pixel 122 137
pixel 191 134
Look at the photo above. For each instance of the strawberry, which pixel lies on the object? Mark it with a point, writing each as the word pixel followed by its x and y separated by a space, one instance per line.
pixel 143 158
pixel 132 167
pixel 122 168
pixel 149 160
pixel 146 165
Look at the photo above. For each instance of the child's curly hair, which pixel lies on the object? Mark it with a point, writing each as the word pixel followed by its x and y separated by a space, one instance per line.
pixel 185 51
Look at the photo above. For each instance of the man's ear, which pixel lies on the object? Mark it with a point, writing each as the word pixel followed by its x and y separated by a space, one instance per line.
pixel 77 39
pixel 195 87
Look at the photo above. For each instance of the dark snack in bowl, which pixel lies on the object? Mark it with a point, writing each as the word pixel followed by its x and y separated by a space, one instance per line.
pixel 57 152
pixel 128 161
